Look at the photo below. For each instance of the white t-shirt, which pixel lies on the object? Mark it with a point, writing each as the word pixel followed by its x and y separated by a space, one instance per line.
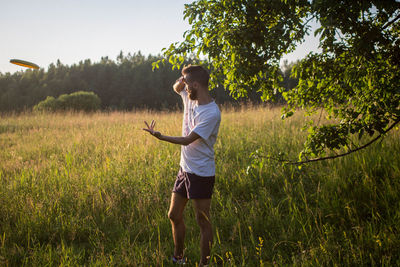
pixel 204 120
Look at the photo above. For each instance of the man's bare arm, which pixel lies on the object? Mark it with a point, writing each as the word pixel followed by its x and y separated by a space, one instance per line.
pixel 180 140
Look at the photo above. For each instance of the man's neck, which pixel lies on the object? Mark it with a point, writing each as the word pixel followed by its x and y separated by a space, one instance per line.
pixel 203 97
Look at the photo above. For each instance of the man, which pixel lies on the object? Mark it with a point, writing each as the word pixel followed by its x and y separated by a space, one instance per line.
pixel 196 177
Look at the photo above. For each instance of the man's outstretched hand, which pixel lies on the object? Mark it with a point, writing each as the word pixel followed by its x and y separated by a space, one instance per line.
pixel 180 140
pixel 150 129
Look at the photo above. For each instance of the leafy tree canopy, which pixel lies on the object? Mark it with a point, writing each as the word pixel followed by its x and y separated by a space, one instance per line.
pixel 355 78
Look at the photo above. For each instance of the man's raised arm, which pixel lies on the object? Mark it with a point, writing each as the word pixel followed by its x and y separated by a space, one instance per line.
pixel 179 85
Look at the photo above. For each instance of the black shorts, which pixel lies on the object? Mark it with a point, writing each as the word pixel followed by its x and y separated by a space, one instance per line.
pixel 192 186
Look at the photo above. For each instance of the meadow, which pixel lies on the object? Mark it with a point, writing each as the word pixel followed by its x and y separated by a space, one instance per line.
pixel 93 190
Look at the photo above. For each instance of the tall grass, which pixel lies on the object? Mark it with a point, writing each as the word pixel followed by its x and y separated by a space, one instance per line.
pixel 94 190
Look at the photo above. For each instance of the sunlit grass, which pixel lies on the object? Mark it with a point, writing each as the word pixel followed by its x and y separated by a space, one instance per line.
pixel 94 189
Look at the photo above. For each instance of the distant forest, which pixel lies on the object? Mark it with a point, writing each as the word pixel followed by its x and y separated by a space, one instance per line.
pixel 126 83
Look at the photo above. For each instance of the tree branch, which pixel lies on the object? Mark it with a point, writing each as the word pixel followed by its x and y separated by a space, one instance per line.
pixel 390 22
pixel 339 155
pixel 309 19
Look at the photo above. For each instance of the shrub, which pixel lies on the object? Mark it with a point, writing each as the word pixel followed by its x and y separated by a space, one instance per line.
pixel 49 104
pixel 78 101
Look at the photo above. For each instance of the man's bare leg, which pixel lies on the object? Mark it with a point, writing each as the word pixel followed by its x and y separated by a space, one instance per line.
pixel 202 210
pixel 175 214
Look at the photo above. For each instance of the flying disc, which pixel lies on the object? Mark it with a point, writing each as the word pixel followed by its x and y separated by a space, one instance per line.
pixel 24 63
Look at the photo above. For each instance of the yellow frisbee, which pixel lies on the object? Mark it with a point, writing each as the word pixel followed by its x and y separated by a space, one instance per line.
pixel 24 63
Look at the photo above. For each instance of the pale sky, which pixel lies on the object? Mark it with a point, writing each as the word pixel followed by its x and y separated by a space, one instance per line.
pixel 43 31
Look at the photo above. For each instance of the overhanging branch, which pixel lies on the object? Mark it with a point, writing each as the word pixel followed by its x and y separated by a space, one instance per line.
pixel 390 22
pixel 339 155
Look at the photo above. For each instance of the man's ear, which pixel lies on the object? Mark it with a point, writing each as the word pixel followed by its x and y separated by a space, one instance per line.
pixel 196 85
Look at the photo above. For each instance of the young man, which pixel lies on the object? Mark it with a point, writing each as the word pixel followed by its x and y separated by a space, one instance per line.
pixel 195 179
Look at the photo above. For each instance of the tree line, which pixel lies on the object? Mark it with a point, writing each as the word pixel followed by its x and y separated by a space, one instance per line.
pixel 126 83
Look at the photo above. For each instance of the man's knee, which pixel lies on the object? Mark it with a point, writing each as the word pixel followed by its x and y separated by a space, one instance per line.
pixel 174 216
pixel 178 203
pixel 203 219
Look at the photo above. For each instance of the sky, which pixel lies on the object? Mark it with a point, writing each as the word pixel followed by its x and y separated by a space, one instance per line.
pixel 43 31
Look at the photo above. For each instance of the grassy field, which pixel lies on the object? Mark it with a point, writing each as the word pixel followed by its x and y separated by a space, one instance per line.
pixel 94 190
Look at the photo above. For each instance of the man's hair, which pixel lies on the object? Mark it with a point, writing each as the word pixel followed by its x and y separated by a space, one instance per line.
pixel 197 74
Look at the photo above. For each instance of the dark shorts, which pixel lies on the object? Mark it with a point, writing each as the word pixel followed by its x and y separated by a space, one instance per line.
pixel 192 186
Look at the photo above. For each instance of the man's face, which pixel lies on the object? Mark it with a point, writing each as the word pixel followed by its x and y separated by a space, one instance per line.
pixel 190 88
